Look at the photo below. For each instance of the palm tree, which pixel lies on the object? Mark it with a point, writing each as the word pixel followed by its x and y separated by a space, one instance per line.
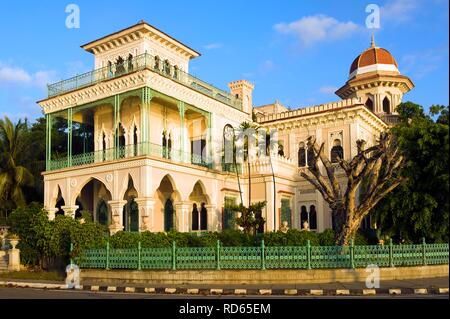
pixel 13 176
pixel 248 126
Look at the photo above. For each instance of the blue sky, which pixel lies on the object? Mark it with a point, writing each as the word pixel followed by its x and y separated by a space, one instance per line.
pixel 298 52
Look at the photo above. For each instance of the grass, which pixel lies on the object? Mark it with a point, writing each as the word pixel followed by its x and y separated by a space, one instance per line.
pixel 34 275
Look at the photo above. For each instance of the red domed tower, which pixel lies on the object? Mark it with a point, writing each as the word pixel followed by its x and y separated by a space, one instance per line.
pixel 375 79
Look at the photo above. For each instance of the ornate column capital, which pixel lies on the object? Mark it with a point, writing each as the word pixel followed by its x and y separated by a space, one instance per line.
pixel 116 212
pixel 51 213
pixel 69 210
pixel 146 213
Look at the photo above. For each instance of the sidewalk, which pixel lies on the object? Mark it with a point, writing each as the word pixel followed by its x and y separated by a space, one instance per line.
pixel 417 286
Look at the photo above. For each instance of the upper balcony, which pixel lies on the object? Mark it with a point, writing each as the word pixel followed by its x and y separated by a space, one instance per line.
pixel 139 63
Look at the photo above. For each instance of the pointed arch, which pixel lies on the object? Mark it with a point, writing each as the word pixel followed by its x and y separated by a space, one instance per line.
pixel 81 185
pixel 386 105
pixel 369 104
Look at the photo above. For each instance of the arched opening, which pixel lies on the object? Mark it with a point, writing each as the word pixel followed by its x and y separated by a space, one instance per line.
pixel 312 217
pixel 130 62
pixel 229 151
pixel 175 72
pixel 167 67
pixel 303 216
pixel 310 157
pixel 386 105
pixel 165 152
pixel 93 198
pixel 131 209
pixel 157 62
pixel 199 220
pixel 337 152
pixel 369 104
pixel 167 195
pixel 104 146
pixel 280 150
pixel 301 155
pixel 169 146
pixel 135 141
pixel 59 203
pixel 120 68
pixel 121 139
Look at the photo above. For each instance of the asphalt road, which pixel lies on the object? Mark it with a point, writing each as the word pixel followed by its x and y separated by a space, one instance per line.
pixel 30 293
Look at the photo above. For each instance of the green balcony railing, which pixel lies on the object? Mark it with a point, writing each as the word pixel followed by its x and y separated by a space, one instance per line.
pixel 262 257
pixel 129 151
pixel 139 63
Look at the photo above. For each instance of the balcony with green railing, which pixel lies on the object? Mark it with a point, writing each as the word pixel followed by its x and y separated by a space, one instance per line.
pixel 143 62
pixel 129 151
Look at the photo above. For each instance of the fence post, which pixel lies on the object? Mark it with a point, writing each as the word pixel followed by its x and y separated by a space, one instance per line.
pixel 391 253
pixel 263 256
pixel 424 245
pixel 107 255
pixel 139 255
pixel 174 256
pixel 70 254
pixel 218 255
pixel 308 253
pixel 352 254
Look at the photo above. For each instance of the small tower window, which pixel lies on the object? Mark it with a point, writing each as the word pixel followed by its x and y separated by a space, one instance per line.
pixel 301 155
pixel 157 60
pixel 337 152
pixel 369 104
pixel 310 157
pixel 386 105
pixel 175 72
pixel 130 62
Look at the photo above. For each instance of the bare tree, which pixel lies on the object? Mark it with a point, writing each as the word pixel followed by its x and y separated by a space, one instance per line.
pixel 376 167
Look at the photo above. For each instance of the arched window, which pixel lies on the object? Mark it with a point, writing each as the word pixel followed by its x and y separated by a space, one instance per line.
pixel 369 104
pixel 167 67
pixel 229 152
pixel 135 141
pixel 337 152
pixel 104 146
pixel 312 217
pixel 120 69
pixel 280 150
pixel 195 217
pixel 203 217
pixel 267 144
pixel 130 62
pixel 175 72
pixel 386 105
pixel 164 144
pixel 303 215
pixel 310 157
pixel 157 60
pixel 301 155
pixel 121 134
pixel 168 215
pixel 169 146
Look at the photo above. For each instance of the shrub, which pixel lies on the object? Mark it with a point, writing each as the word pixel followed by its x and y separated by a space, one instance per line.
pixel 326 238
pixel 293 237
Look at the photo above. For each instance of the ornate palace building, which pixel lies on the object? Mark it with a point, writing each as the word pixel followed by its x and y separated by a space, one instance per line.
pixel 139 142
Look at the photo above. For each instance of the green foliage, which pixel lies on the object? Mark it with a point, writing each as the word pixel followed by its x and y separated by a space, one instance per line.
pixel 47 243
pixel 419 207
pixel 327 238
pixel 293 237
pixel 249 218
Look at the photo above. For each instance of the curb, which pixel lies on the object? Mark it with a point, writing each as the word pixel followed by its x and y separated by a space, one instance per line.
pixel 236 292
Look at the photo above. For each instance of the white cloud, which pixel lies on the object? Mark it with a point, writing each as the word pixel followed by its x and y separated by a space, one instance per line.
pixel 212 46
pixel 328 89
pixel 313 29
pixel 16 75
pixel 420 64
pixel 398 11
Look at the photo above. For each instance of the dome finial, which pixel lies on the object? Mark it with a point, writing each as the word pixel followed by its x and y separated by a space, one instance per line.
pixel 372 43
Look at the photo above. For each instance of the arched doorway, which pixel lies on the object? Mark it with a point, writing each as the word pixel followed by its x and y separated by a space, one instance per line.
pixel 94 198
pixel 130 209
pixel 199 213
pixel 168 215
pixel 167 195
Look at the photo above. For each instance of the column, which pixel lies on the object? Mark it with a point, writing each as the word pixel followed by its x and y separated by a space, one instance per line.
pixel 181 109
pixel 69 137
pixel 48 141
pixel 146 213
pixel 182 216
pixel 69 211
pixel 117 215
pixel 213 218
pixel 146 97
pixel 51 213
pixel 116 122
pixel 209 160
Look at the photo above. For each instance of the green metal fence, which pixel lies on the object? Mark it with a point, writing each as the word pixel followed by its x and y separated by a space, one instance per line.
pixel 272 257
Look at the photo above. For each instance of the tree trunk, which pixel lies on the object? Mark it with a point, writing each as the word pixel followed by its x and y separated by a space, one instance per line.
pixel 348 232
